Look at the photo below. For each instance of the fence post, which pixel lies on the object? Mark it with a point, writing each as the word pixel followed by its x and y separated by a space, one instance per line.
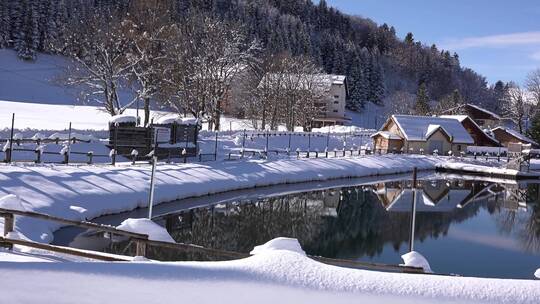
pixel 266 147
pixel 243 142
pixel 9 220
pixel 90 155
pixel 309 144
pixel 328 138
pixel 9 152
pixel 38 155
pixel 140 248
pixel 115 146
pixel 67 155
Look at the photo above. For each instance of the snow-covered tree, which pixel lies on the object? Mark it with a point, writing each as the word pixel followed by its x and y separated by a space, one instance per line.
pixel 532 84
pixel 516 107
pixel 100 51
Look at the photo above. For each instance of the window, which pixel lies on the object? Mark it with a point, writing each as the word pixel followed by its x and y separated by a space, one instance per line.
pixel 336 96
pixel 459 147
pixel 336 102
pixel 335 111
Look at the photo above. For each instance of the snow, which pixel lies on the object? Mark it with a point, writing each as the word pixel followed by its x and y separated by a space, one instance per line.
pixel 146 226
pixel 11 202
pixel 282 275
pixel 107 189
pixel 415 259
pixel 482 149
pixel 170 119
pixel 342 129
pixel 387 135
pixel 281 243
pixel 31 116
pixel 537 273
pixel 123 118
pixel 414 128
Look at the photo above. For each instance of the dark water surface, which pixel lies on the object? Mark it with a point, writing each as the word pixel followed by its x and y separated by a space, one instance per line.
pixel 467 226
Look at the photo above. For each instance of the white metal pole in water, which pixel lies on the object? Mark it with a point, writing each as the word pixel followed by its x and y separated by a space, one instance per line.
pixel 152 185
pixel 413 212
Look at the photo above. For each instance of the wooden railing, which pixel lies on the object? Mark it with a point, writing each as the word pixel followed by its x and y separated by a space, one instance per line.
pixel 141 241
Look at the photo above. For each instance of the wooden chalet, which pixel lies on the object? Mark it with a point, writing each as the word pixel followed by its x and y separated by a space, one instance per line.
pixel 484 118
pixel 480 137
pixel 507 136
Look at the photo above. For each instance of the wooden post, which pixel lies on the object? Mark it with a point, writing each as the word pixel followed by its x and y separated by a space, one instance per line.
pixel 66 156
pixel 90 155
pixel 413 212
pixel 309 144
pixel 141 248
pixel 9 153
pixel 38 155
pixel 9 220
pixel 289 146
pixel 266 147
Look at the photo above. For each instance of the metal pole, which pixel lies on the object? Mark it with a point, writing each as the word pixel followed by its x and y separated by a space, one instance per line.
pixel 152 185
pixel 327 139
pixel 137 112
pixel 413 212
pixel 153 175
pixel 289 146
pixel 309 144
pixel 11 138
pixel 266 147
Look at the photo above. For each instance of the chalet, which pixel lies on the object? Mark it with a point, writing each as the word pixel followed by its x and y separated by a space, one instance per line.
pixel 484 118
pixel 507 136
pixel 334 91
pixel 417 134
pixel 477 133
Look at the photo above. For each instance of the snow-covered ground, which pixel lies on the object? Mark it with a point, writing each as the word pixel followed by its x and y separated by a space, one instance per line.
pixel 277 272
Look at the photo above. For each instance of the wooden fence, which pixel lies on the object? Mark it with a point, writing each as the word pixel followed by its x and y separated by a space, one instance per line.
pixel 142 241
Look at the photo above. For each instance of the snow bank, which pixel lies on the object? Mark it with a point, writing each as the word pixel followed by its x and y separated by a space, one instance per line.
pixel 343 129
pixel 415 259
pixel 146 226
pixel 276 275
pixel 105 190
pixel 281 243
pixel 537 273
pixel 12 202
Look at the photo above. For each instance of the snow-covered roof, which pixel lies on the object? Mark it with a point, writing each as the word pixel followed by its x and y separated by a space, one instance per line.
pixel 432 128
pixel 387 135
pixel 324 81
pixel 484 110
pixel 415 128
pixel 516 134
pixel 123 118
pixel 462 118
pixel 170 119
pixel 447 203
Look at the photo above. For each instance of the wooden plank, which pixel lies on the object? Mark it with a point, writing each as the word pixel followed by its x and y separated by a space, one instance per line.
pixel 82 224
pixel 64 250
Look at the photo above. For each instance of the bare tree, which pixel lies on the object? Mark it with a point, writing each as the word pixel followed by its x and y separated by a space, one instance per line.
pixel 516 107
pixel 148 31
pixel 532 83
pixel 99 50
pixel 205 55
pixel 290 92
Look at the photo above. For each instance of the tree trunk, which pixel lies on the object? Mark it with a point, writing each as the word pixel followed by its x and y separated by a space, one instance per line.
pixel 146 111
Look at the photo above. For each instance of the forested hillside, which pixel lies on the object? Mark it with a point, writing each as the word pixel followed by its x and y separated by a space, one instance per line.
pixel 381 67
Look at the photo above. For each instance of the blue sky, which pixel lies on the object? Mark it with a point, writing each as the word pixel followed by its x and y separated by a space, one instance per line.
pixel 499 39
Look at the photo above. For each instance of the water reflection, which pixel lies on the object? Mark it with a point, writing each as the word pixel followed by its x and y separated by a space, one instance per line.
pixel 462 225
pixel 371 222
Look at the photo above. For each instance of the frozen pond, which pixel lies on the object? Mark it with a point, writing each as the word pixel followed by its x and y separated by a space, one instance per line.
pixel 466 226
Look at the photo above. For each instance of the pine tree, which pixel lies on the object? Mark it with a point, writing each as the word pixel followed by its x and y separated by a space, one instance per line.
pixel 376 81
pixel 422 101
pixel 5 21
pixel 358 85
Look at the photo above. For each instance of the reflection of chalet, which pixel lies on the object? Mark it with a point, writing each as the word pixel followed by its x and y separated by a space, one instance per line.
pixel 432 196
pixel 483 117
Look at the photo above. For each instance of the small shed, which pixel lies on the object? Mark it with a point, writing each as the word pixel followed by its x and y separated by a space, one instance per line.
pixel 173 135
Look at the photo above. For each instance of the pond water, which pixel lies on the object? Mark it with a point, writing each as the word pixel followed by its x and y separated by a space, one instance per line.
pixel 463 225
